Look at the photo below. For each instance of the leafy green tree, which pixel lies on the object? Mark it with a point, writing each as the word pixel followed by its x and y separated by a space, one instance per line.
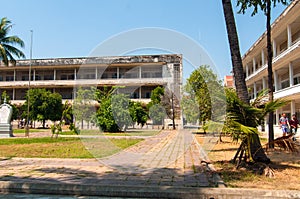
pixel 190 108
pixel 8 43
pixel 104 117
pixel 66 116
pixel 138 113
pixel 157 113
pixel 121 110
pixel 83 105
pixel 156 110
pixel 203 96
pixel 156 96
pixel 265 6
pixel 43 105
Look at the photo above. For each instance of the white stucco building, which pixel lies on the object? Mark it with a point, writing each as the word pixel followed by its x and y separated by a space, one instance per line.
pixel 286 61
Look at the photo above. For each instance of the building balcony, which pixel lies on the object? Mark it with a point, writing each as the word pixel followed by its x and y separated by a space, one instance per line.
pixel 86 82
pixel 279 61
pixel 288 93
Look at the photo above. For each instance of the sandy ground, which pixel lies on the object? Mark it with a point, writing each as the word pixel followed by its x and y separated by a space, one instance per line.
pixel 285 164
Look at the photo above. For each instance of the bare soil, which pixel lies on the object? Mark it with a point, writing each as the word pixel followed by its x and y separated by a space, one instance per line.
pixel 285 164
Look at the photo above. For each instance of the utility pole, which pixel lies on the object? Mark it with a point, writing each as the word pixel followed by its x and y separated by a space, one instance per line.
pixel 29 78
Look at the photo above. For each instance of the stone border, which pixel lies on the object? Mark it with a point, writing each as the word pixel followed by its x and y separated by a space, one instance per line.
pixel 143 192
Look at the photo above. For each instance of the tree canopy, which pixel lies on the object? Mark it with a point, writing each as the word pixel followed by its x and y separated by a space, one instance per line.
pixel 43 105
pixel 156 110
pixel 203 98
pixel 9 44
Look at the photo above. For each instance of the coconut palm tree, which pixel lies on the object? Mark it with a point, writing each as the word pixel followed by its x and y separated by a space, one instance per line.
pixel 265 6
pixel 8 43
pixel 237 65
pixel 242 120
pixel 240 83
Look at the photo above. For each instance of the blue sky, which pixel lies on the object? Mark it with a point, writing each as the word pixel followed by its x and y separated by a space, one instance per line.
pixel 73 28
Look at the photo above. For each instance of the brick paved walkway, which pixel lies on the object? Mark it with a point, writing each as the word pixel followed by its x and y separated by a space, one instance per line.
pixel 171 158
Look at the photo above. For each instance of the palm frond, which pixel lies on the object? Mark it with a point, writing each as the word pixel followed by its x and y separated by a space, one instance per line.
pixel 261 99
pixel 285 143
pixel 8 43
pixel 271 106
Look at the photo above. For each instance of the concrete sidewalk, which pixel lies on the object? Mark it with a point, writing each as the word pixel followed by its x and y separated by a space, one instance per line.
pixel 171 158
pixel 168 165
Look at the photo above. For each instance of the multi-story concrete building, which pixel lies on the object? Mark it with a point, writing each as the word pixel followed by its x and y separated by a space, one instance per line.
pixel 139 74
pixel 286 61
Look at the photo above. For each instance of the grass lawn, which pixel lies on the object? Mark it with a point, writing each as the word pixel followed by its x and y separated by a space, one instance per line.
pixel 17 131
pixel 61 147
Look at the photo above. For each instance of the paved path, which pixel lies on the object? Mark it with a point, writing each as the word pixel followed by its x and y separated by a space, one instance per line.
pixel 171 158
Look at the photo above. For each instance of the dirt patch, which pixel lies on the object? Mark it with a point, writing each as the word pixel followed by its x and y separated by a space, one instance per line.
pixel 34 134
pixel 286 167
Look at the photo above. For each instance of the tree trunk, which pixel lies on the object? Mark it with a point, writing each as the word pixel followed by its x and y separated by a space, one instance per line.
pixel 237 65
pixel 256 149
pixel 257 152
pixel 270 74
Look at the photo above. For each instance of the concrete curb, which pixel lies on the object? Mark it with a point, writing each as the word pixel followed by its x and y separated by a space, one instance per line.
pixel 143 192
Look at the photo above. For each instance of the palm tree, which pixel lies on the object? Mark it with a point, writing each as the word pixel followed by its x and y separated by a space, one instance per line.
pixel 255 148
pixel 242 120
pixel 237 65
pixel 8 43
pixel 265 6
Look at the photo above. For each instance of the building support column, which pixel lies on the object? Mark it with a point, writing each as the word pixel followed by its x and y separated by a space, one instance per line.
pixel 15 75
pixel 54 74
pixel 33 75
pixel 275 80
pixel 291 74
pixel 293 108
pixel 254 65
pixel 247 70
pixel 264 83
pixel 118 72
pixel 262 57
pixel 289 36
pixel 254 90
pixel 75 74
pixel 277 117
pixel 140 92
pixel 140 72
pixel 14 94
pixel 274 48
pixel 96 72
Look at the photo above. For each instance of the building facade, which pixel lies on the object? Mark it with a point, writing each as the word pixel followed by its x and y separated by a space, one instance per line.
pixel 138 74
pixel 286 61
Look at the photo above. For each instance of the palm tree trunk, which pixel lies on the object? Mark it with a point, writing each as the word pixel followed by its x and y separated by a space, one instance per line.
pixel 270 74
pixel 237 65
pixel 257 153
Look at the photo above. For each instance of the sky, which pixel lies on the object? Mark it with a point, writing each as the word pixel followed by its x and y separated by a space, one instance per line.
pixel 75 28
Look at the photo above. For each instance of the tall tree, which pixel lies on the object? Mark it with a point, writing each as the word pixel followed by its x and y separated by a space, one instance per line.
pixel 138 113
pixel 265 6
pixel 83 105
pixel 239 75
pixel 157 111
pixel 204 90
pixel 8 43
pixel 44 105
pixel 237 65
